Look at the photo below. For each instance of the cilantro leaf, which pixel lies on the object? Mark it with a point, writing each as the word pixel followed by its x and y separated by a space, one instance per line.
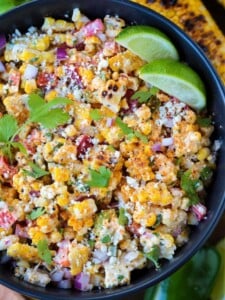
pixel 36 172
pixel 206 173
pixel 204 122
pixel 144 96
pixel 99 178
pixel 106 239
pixel 130 132
pixel 46 113
pixel 153 255
pixel 44 252
pixel 36 213
pixel 124 127
pixel 95 115
pixel 123 220
pixel 19 146
pixel 8 127
pixel 190 187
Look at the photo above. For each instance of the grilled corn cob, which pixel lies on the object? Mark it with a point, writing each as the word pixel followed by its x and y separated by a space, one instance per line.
pixel 193 17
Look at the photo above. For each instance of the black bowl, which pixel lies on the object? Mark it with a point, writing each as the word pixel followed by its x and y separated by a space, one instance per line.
pixel 32 14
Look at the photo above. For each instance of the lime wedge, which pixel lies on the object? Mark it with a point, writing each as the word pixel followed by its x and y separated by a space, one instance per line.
pixel 218 292
pixel 176 79
pixel 147 42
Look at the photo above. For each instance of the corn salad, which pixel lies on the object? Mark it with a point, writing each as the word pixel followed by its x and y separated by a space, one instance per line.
pixel 116 187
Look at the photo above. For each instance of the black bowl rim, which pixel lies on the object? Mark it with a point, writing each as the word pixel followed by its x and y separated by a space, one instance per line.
pixel 125 290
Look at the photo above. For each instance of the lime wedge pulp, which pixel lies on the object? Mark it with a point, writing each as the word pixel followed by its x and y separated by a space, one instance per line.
pixel 176 79
pixel 147 42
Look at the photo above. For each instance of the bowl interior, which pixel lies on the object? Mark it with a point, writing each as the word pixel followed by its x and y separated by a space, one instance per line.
pixel 32 14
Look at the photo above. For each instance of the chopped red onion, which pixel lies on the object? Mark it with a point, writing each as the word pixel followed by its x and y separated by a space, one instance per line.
pixel 61 53
pixel 157 147
pixel 21 231
pixel 109 122
pixel 199 210
pixel 67 274
pixel 57 275
pixel 30 72
pixel 2 67
pixel 64 284
pixel 167 141
pixel 2 41
pixel 168 123
pixel 81 282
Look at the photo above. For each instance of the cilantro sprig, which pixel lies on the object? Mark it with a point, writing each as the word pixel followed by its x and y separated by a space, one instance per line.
pixel 153 255
pixel 95 115
pixel 190 186
pixel 129 132
pixel 44 252
pixel 36 213
pixel 35 172
pixel 49 115
pixel 145 96
pixel 99 178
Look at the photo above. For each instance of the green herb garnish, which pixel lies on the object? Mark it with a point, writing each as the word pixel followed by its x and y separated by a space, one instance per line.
pixel 204 122
pixel 123 220
pixel 190 187
pixel 120 277
pixel 95 115
pixel 129 131
pixel 144 96
pixel 46 114
pixel 36 213
pixel 44 252
pixel 206 173
pixel 35 172
pixel 106 239
pixel 153 255
pixel 99 178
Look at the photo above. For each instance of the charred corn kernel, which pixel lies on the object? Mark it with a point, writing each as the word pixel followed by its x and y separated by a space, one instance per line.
pixel 62 200
pixel 55 237
pixel 143 196
pixel 30 86
pixel 69 233
pixel 151 220
pixel 86 74
pixel 84 209
pixel 46 223
pixel 169 239
pixel 80 225
pixel 36 235
pixel 78 256
pixel 60 174
pixel 203 154
pixel 70 130
pixel 48 24
pixel 125 61
pixel 146 128
pixel 43 43
pixel 23 252
pixel 51 95
pixel 62 26
pixel 92 40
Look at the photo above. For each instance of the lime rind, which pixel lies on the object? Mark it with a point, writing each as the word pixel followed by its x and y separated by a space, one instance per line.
pixel 147 42
pixel 176 79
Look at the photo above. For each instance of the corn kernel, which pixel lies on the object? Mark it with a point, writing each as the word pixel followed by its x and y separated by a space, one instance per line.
pixel 86 74
pixel 203 154
pixel 43 43
pixel 151 220
pixel 30 86
pixel 60 174
pixel 62 200
pixel 51 95
pixel 55 237
pixel 23 252
pixel 78 256
pixel 48 23
pixel 146 128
